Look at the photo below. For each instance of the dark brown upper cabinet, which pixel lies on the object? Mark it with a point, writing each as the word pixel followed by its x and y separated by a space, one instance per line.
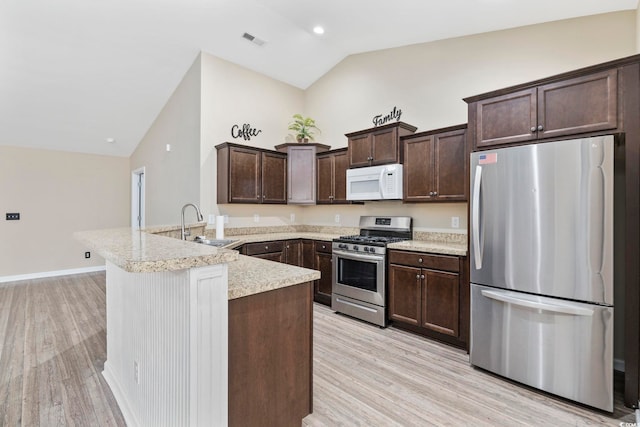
pixel 251 175
pixel 332 177
pixel 377 146
pixel 573 106
pixel 435 165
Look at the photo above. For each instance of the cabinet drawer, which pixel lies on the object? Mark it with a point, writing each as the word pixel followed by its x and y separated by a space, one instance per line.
pixel 417 259
pixel 264 247
pixel 324 247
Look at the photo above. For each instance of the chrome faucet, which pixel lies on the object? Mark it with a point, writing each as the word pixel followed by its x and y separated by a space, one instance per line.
pixel 184 233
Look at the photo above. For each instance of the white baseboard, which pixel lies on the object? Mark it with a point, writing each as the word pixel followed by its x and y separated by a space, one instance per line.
pixel 618 365
pixel 44 274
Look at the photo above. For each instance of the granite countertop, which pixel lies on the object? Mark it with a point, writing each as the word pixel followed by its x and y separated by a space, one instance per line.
pixel 436 247
pixel 139 252
pixel 270 237
pixel 439 246
pixel 249 275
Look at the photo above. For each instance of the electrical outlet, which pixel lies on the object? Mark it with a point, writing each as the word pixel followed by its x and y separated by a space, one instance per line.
pixel 256 218
pixel 337 218
pixel 226 219
pixel 455 222
pixel 292 217
pixel 212 219
pixel 87 254
pixel 136 372
pixel 13 216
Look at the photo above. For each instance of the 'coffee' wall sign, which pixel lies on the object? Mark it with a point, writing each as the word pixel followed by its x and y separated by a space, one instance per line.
pixel 380 119
pixel 246 132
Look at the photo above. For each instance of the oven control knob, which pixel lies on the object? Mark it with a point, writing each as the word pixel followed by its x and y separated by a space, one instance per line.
pixel 355 248
pixel 366 249
pixel 342 246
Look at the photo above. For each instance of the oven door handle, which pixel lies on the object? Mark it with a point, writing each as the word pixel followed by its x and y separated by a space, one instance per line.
pixel 359 257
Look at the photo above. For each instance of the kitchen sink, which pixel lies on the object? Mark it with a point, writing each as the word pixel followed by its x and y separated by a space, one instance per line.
pixel 213 242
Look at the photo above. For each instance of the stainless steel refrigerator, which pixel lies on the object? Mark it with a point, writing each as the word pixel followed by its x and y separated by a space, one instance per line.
pixel 542 266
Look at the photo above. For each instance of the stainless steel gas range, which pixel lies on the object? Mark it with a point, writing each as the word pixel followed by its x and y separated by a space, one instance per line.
pixel 359 267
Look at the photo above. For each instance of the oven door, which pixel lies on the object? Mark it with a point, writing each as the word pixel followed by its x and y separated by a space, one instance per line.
pixel 359 276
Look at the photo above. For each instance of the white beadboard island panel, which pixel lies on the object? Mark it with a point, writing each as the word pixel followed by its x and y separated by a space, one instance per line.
pixel 167 345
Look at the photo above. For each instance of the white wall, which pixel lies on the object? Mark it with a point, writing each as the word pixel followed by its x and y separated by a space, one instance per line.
pixel 172 177
pixel 56 194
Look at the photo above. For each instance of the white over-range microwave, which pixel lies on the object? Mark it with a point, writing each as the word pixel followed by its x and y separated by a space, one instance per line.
pixel 375 183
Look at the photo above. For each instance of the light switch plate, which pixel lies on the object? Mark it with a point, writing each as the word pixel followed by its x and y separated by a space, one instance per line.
pixel 455 222
pixel 256 218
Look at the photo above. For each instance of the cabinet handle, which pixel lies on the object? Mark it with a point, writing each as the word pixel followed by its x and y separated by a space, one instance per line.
pixel 420 260
pixel 435 193
pixel 257 196
pixel 533 129
pixel 264 197
pixel 540 127
pixel 418 276
pixel 422 276
pixel 266 247
pixel 324 247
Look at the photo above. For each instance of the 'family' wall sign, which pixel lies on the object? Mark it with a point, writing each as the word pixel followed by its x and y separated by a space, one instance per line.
pixel 380 119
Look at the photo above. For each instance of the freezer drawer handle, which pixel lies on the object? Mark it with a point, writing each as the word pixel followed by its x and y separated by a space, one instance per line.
pixel 476 218
pixel 578 311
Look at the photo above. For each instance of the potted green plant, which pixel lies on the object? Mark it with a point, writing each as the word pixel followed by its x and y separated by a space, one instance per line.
pixel 303 127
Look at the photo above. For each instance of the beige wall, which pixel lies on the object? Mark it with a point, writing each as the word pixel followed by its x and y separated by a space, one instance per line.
pixel 428 81
pixel 172 177
pixel 234 95
pixel 56 194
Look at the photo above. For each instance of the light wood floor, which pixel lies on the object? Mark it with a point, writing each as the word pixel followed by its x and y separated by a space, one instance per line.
pixel 52 350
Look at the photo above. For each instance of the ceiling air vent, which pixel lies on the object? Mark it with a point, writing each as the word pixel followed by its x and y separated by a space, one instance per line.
pixel 253 39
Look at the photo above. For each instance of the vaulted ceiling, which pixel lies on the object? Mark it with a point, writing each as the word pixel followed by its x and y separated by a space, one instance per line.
pixel 76 72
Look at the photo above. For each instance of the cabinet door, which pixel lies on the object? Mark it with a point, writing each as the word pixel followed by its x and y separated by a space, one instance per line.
pixel 506 119
pixel 274 178
pixel 301 174
pixel 308 254
pixel 418 169
pixel 440 307
pixel 583 104
pixel 325 179
pixel 293 252
pixel 405 294
pixel 384 146
pixel 273 256
pixel 244 176
pixel 359 151
pixel 449 166
pixel 340 166
pixel 323 286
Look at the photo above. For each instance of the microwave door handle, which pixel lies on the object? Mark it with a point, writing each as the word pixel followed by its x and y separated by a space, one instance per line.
pixel 475 218
pixel 381 185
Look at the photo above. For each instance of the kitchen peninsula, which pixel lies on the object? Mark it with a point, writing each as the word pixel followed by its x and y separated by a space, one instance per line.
pixel 198 335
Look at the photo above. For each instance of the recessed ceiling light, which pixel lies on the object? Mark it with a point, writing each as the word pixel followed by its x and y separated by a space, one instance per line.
pixel 110 140
pixel 318 29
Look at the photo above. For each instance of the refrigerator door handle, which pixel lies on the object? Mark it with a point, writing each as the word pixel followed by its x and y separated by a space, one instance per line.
pixel 475 215
pixel 499 296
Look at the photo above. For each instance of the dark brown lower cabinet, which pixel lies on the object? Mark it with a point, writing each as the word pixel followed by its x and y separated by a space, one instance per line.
pixel 293 252
pixel 311 254
pixel 273 251
pixel 270 357
pixel 424 294
pixel 323 262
